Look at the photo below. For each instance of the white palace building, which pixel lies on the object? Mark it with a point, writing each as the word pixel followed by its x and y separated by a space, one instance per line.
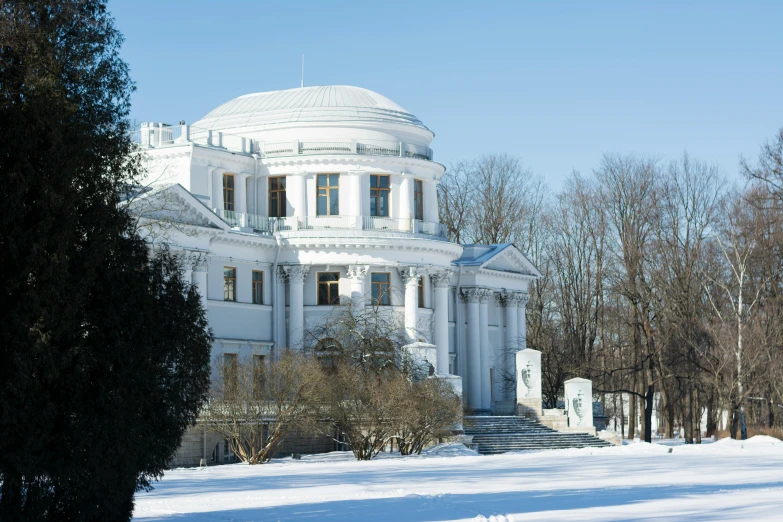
pixel 283 203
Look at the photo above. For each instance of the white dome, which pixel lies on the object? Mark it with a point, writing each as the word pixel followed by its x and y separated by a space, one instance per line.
pixel 324 104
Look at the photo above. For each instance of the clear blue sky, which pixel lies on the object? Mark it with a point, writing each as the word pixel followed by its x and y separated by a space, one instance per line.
pixel 556 83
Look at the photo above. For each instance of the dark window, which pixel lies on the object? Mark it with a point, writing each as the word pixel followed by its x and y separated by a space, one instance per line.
pixel 228 192
pixel 379 195
pixel 418 199
pixel 230 375
pixel 328 203
pixel 229 283
pixel 259 375
pixel 327 351
pixel 277 201
pixel 328 288
pixel 258 287
pixel 380 289
pixel 421 292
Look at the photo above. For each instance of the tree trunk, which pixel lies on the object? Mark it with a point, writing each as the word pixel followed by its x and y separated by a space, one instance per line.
pixel 712 425
pixel 11 499
pixel 688 421
pixel 648 410
pixel 631 416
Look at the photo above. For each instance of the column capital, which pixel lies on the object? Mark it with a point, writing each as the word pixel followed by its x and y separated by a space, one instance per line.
pixel 199 261
pixel 515 299
pixel 357 272
pixel 295 273
pixel 410 274
pixel 442 278
pixel 476 295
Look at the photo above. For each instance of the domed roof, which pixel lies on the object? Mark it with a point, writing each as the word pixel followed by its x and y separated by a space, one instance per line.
pixel 323 104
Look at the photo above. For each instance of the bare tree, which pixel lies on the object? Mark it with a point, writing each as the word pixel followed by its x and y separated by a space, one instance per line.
pixel 256 405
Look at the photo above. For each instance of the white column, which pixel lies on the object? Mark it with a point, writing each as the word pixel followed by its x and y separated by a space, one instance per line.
pixel 406 194
pixel 240 192
pixel 473 348
pixel 357 274
pixel 440 331
pixel 431 201
pixel 296 276
pixel 200 266
pixel 511 302
pixel 282 339
pixel 486 385
pixel 524 297
pixel 356 201
pixel 410 278
pixel 217 188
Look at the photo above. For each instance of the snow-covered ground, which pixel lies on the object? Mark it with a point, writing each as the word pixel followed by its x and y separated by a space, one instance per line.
pixel 725 480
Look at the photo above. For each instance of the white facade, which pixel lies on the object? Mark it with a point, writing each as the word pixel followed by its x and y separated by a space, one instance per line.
pixel 216 196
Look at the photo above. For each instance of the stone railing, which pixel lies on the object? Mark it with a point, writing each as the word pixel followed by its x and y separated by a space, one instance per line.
pixel 316 226
pixel 155 135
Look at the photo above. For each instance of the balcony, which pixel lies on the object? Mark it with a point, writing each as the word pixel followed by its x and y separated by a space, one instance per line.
pixel 334 226
pixel 156 135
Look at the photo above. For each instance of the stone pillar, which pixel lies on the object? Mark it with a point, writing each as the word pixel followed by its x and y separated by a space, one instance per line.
pixel 528 374
pixel 473 348
pixel 440 329
pixel 511 302
pixel 357 274
pixel 431 201
pixel 524 297
pixel 240 193
pixel 410 278
pixel 217 188
pixel 406 194
pixel 279 306
pixel 486 384
pixel 296 276
pixel 579 403
pixel 200 266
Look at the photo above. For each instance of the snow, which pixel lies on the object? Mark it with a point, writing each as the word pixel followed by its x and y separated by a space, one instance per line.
pixel 725 480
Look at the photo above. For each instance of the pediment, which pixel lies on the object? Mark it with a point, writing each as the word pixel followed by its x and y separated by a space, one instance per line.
pixel 511 260
pixel 176 205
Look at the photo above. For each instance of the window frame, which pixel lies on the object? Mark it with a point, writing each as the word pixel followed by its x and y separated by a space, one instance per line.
pixel 229 191
pixel 378 191
pixel 233 280
pixel 279 195
pixel 381 295
pixel 421 292
pixel 254 283
pixel 328 285
pixel 327 189
pixel 418 199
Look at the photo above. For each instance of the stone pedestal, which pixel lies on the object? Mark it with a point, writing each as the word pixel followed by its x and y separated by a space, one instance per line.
pixel 423 357
pixel 579 403
pixel 528 376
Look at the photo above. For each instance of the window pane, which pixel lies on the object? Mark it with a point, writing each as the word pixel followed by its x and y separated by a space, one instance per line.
pixel 334 294
pixel 228 272
pixel 384 181
pixel 321 180
pixel 380 278
pixel 373 181
pixel 321 210
pixel 373 206
pixel 334 179
pixel 323 294
pixel 334 202
pixel 258 276
pixel 328 276
pixel 384 204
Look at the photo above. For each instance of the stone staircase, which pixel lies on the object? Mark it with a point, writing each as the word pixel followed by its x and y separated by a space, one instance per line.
pixel 500 434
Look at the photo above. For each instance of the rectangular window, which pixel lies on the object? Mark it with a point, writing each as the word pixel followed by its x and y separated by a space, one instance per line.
pixel 328 197
pixel 230 370
pixel 277 201
pixel 228 192
pixel 381 288
pixel 418 199
pixel 421 292
pixel 258 287
pixel 259 376
pixel 229 283
pixel 328 288
pixel 379 195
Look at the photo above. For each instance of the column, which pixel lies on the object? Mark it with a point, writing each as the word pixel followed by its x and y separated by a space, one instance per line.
pixel 473 348
pixel 200 265
pixel 441 280
pixel 524 297
pixel 356 202
pixel 217 188
pixel 279 306
pixel 357 274
pixel 431 201
pixel 486 385
pixel 406 194
pixel 410 278
pixel 511 302
pixel 296 276
pixel 240 193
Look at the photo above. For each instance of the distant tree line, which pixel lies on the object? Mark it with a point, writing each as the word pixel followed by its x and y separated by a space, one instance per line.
pixel 661 281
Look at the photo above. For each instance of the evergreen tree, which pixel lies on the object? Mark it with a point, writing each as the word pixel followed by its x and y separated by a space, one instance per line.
pixel 104 349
